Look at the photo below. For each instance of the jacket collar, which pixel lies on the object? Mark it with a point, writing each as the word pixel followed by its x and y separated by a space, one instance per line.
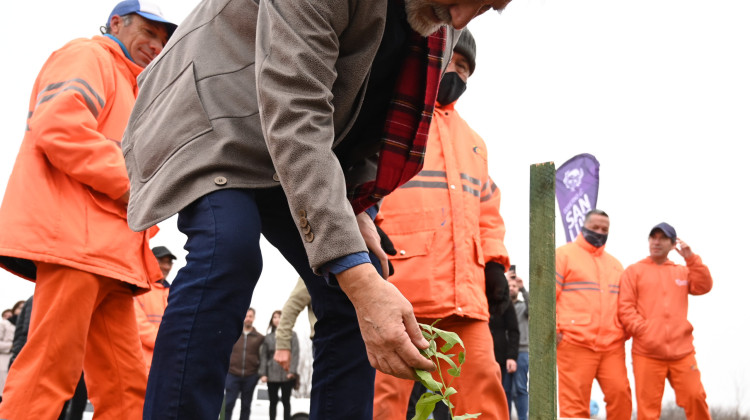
pixel 114 46
pixel 649 260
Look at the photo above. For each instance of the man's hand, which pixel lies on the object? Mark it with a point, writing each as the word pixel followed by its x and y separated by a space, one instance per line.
pixel 263 378
pixel 386 321
pixel 683 249
pixel 283 357
pixel 510 365
pixel 372 240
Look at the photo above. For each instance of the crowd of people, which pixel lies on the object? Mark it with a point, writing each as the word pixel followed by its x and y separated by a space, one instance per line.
pixel 308 123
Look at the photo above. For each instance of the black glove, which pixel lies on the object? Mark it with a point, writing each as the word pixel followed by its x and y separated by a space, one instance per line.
pixel 496 287
pixel 387 245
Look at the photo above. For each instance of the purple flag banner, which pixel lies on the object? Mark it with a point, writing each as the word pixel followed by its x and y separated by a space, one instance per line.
pixel 576 188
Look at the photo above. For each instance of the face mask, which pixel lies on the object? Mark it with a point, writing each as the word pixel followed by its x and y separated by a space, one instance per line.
pixel 596 239
pixel 451 87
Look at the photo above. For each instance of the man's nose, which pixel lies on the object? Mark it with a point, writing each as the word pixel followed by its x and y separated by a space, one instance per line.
pixel 462 14
pixel 156 46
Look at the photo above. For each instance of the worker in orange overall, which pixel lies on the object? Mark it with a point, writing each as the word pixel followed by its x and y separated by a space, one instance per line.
pixel 446 227
pixel 150 306
pixel 590 338
pixel 653 308
pixel 63 224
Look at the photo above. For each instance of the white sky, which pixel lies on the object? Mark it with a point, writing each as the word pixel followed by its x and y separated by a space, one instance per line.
pixel 658 91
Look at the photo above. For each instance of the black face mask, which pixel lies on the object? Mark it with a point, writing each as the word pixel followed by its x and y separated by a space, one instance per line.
pixel 451 87
pixel 596 239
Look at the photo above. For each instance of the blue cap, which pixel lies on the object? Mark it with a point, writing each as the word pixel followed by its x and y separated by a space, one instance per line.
pixel 145 9
pixel 668 230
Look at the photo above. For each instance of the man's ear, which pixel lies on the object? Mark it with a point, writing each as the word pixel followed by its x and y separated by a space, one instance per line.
pixel 115 24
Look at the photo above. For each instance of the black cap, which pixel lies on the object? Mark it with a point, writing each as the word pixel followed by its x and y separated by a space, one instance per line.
pixel 668 230
pixel 162 251
pixel 468 48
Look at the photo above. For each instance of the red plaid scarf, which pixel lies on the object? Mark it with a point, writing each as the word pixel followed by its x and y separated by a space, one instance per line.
pixel 407 122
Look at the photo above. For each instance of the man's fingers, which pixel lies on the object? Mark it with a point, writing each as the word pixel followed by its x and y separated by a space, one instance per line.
pixel 414 332
pixel 409 353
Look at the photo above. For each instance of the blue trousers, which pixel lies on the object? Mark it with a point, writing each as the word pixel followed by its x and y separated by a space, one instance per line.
pixel 516 386
pixel 243 387
pixel 210 295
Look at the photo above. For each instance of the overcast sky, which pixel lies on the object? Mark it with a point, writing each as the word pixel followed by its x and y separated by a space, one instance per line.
pixel 657 90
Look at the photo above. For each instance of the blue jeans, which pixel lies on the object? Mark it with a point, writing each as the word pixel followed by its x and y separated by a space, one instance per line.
pixel 516 387
pixel 243 387
pixel 210 295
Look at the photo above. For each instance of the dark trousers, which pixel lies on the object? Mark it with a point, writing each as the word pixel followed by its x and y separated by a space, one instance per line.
pixel 273 398
pixel 73 408
pixel 210 295
pixel 441 411
pixel 243 387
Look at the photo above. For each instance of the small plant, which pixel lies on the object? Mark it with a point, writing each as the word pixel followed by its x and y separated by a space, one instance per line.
pixel 441 391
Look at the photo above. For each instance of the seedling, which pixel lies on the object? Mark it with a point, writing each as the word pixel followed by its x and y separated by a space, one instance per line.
pixel 441 391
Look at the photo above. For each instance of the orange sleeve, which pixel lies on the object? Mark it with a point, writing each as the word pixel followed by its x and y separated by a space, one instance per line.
pixel 560 269
pixel 699 278
pixel 492 225
pixel 627 309
pixel 146 330
pixel 64 120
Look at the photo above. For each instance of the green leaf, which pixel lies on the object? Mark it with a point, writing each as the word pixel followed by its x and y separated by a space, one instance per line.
pixel 428 352
pixel 448 392
pixel 454 372
pixel 461 358
pixel 426 327
pixel 427 380
pixel 467 416
pixel 425 405
pixel 450 338
pixel 447 359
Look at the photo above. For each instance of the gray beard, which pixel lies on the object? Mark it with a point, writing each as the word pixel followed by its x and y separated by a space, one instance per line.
pixel 417 14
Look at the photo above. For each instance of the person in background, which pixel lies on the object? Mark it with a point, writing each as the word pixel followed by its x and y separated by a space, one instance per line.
pixel 506 338
pixel 590 338
pixel 243 368
pixel 22 330
pixel 516 383
pixel 446 227
pixel 277 377
pixel 7 313
pixel 150 306
pixel 64 224
pixel 653 307
pixel 298 300
pixel 7 330
pixel 15 311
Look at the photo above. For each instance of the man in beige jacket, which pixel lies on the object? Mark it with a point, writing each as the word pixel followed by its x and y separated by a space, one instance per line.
pixel 286 118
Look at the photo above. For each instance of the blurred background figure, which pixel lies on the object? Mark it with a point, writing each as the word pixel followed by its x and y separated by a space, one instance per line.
pixel 7 330
pixel 243 368
pixel 516 383
pixel 271 372
pixel 150 306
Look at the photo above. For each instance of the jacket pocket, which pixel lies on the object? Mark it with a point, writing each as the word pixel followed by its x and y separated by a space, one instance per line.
pixel 412 245
pixel 571 320
pixel 173 119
